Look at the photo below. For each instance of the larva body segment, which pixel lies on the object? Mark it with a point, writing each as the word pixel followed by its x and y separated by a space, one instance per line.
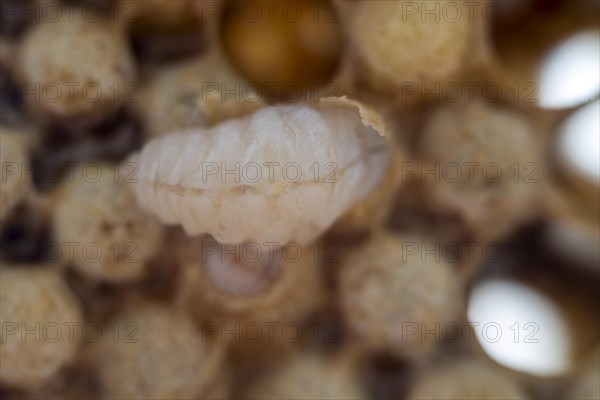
pixel 282 174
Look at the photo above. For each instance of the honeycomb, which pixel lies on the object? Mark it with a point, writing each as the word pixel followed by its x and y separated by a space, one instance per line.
pixel 299 199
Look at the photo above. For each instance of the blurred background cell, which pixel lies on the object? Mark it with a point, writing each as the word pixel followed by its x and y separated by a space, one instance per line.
pixel 14 17
pixel 195 93
pixel 466 379
pixel 310 375
pixel 83 74
pixel 390 293
pixel 164 31
pixel 158 354
pixel 37 299
pixel 96 209
pixel 488 166
pixel 14 165
pixel 397 43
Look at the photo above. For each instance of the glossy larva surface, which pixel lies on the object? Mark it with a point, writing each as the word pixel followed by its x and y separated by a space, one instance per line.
pixel 283 174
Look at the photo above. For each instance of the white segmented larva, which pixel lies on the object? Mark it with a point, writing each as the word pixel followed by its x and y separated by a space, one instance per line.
pixel 300 168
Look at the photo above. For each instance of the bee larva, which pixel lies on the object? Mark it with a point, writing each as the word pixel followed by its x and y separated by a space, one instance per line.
pixel 283 174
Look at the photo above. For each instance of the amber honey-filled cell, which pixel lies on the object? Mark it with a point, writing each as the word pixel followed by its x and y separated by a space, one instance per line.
pixel 283 42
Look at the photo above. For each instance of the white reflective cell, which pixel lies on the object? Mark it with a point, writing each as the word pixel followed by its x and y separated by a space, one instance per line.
pixel 569 74
pixel 579 142
pixel 520 328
